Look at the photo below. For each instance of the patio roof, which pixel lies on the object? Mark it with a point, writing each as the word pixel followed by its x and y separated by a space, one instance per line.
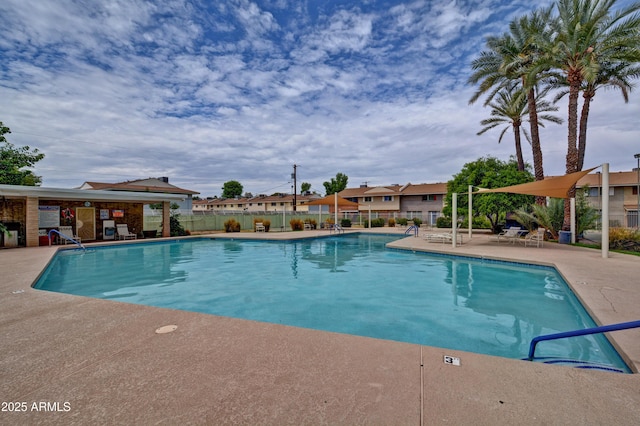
pixel 555 187
pixel 19 191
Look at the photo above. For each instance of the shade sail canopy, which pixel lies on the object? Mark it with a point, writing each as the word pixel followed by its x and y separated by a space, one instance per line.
pixel 555 187
pixel 330 200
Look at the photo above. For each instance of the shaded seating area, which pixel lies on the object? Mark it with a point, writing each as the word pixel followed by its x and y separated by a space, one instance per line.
pixel 122 230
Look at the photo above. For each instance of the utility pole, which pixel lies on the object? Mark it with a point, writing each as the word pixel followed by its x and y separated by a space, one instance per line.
pixel 295 188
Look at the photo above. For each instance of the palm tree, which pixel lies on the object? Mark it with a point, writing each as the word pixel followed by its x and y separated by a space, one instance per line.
pixel 511 107
pixel 585 35
pixel 615 76
pixel 509 58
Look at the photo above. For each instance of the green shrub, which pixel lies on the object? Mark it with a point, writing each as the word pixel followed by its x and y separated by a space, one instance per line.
pixel 402 221
pixel 392 222
pixel 443 222
pixel 345 223
pixel 377 223
pixel 417 221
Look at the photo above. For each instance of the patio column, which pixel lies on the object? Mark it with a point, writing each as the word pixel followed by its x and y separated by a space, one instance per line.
pixel 32 222
pixel 454 219
pixel 166 221
pixel 605 211
pixel 470 214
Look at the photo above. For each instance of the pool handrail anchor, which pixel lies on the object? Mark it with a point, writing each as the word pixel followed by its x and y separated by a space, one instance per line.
pixel 335 227
pixel 582 332
pixel 66 237
pixel 413 228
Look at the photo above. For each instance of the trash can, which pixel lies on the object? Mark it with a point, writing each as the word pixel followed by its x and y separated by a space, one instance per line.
pixel 564 237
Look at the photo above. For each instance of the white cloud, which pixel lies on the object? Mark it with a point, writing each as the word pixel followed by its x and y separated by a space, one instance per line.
pixel 243 90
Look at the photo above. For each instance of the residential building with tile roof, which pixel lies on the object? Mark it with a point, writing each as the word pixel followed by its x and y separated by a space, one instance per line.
pixel 623 196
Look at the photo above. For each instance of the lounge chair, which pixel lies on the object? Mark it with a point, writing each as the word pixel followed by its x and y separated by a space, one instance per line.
pixel 446 237
pixel 260 227
pixel 67 231
pixel 510 235
pixel 535 237
pixel 123 232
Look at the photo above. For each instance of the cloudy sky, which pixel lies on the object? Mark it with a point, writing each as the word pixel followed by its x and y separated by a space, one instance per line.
pixel 209 91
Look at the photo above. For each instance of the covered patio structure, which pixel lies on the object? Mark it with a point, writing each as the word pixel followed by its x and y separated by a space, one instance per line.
pixel 554 187
pixel 33 211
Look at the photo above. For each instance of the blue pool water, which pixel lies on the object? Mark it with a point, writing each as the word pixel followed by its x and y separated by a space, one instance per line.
pixel 349 284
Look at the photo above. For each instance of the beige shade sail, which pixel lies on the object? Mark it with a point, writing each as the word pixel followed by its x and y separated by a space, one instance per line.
pixel 554 187
pixel 330 200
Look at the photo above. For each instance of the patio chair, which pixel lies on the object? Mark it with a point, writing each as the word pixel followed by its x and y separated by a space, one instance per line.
pixel 536 237
pixel 67 231
pixel 123 232
pixel 446 237
pixel 260 227
pixel 510 235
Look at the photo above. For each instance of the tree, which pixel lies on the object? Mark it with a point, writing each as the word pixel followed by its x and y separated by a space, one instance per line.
pixel 489 172
pixel 511 108
pixel 13 159
pixel 336 184
pixel 305 187
pixel 586 35
pixel 510 58
pixel 231 189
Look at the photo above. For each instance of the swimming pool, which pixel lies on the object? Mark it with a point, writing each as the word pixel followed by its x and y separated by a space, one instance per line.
pixel 349 284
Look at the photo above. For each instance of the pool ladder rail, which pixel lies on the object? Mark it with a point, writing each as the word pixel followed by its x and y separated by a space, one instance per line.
pixel 412 229
pixel 574 333
pixel 335 227
pixel 66 237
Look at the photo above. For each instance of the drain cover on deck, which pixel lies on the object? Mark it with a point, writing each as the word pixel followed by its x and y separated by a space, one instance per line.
pixel 166 329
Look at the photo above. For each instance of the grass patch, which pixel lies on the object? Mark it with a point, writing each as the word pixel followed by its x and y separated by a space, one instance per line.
pixel 597 247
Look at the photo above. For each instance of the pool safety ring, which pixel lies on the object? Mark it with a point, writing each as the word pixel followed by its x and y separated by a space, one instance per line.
pixel 166 329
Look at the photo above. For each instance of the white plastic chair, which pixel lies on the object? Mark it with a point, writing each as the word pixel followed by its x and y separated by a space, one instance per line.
pixel 123 232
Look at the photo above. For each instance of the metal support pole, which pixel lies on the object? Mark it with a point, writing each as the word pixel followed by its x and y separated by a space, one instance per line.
pixel 470 214
pixel 454 219
pixel 572 208
pixel 605 211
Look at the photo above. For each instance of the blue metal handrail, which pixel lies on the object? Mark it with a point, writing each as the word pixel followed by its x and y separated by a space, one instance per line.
pixel 583 332
pixel 66 237
pixel 413 228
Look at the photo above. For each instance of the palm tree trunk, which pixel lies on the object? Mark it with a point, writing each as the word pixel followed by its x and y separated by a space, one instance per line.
pixel 582 136
pixel 535 141
pixel 516 135
pixel 574 79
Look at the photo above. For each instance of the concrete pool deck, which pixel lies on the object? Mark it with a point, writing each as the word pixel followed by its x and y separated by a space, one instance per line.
pixel 74 360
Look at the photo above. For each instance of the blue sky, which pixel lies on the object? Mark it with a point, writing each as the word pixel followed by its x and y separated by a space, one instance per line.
pixel 205 92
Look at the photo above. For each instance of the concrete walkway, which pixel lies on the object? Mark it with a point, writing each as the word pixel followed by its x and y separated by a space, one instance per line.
pixel 74 360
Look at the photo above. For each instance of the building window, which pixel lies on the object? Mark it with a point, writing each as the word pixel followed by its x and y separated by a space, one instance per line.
pixel 593 192
pixel 634 190
pixel 274 204
pixel 387 198
pixel 429 197
pixel 411 215
pixel 259 204
pixel 367 199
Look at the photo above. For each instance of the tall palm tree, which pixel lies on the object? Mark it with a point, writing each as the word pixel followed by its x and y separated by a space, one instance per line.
pixel 510 107
pixel 615 76
pixel 508 59
pixel 585 33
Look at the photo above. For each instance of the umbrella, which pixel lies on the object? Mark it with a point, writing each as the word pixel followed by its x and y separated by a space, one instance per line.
pixel 334 200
